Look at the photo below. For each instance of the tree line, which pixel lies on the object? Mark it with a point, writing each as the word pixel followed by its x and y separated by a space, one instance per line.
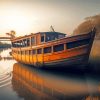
pixel 88 24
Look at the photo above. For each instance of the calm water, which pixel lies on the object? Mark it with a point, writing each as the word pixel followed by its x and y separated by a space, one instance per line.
pixel 22 82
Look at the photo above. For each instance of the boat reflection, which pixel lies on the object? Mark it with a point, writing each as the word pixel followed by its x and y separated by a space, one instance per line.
pixel 92 97
pixel 31 83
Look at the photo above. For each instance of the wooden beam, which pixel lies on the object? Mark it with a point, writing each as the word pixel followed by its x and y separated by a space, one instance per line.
pixel 5 37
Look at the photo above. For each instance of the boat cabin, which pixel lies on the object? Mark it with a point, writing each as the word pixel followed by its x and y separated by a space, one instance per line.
pixel 49 36
pixel 36 39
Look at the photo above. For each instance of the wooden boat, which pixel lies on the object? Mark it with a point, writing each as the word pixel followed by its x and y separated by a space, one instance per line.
pixel 53 48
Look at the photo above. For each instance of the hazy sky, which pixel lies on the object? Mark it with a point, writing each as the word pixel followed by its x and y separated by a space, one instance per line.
pixel 27 16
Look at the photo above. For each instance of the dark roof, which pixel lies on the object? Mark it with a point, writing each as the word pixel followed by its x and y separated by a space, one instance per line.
pixel 52 33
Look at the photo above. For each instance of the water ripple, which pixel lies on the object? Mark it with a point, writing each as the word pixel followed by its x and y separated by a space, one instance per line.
pixel 5 79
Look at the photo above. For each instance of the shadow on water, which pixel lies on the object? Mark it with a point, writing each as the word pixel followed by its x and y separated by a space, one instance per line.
pixel 92 69
pixel 71 83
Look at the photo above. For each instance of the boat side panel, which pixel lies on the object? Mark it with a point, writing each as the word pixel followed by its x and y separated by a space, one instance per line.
pixel 66 54
pixel 77 60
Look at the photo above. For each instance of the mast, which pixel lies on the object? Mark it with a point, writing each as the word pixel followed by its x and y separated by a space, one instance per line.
pixel 52 29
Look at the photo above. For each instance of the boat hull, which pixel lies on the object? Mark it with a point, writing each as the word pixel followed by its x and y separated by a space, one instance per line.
pixel 77 60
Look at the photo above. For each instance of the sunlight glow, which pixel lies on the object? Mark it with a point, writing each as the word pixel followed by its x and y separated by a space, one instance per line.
pixel 31 16
pixel 18 21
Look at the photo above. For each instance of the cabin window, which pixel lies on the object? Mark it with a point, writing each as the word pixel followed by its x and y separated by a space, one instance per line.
pixel 39 51
pixel 21 43
pixel 12 44
pixel 18 43
pixel 32 40
pixel 59 47
pixel 47 50
pixel 50 37
pixel 34 51
pixel 61 36
pixel 77 43
pixel 15 44
pixel 28 42
pixel 42 38
pixel 24 43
